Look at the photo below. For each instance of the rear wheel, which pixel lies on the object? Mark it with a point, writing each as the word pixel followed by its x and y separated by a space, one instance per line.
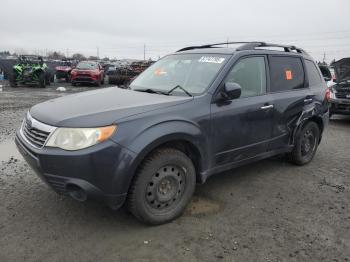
pixel 163 187
pixel 42 80
pixel 13 82
pixel 306 144
pixel 48 80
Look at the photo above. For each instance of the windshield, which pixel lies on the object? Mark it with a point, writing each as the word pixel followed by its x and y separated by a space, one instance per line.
pixel 193 72
pixel 87 65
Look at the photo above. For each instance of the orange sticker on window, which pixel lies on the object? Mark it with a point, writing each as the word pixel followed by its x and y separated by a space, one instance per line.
pixel 289 75
pixel 159 72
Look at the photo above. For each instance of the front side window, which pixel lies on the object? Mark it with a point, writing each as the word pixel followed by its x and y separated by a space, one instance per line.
pixel 286 73
pixel 193 72
pixel 313 74
pixel 250 74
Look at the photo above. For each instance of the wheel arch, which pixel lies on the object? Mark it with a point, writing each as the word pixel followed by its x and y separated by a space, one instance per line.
pixel 181 142
pixel 314 118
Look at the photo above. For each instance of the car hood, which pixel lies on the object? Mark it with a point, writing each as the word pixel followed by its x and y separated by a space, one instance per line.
pixel 63 68
pixel 342 70
pixel 100 107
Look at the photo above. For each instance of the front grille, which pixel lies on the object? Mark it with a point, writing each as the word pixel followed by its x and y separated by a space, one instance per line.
pixel 84 75
pixel 35 136
pixel 35 132
pixel 342 95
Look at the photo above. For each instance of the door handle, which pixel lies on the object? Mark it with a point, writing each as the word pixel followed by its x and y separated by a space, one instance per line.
pixel 308 100
pixel 266 107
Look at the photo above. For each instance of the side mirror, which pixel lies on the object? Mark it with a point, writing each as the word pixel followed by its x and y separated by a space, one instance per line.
pixel 231 91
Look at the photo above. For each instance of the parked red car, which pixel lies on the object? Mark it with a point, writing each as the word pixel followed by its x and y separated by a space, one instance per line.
pixel 64 70
pixel 88 72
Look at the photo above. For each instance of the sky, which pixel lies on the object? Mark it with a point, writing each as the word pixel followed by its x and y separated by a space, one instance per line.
pixel 125 29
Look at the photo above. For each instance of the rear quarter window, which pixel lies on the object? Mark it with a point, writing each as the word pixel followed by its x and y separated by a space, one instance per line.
pixel 313 74
pixel 286 73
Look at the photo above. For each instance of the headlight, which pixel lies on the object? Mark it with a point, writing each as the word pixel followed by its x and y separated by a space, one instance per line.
pixel 332 93
pixel 79 138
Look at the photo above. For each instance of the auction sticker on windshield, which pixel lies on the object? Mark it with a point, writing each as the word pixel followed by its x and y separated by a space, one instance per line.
pixel 211 59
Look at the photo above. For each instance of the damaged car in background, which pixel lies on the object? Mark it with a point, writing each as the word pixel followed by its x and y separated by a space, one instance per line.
pixel 89 72
pixel 340 92
pixel 64 70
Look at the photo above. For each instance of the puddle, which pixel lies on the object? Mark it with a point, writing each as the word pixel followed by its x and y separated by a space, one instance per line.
pixel 201 206
pixel 7 150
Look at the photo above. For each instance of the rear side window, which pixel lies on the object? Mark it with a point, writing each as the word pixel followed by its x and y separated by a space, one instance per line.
pixel 286 73
pixel 312 73
pixel 250 74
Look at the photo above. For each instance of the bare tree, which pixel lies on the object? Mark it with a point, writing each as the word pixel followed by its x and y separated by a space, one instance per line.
pixel 78 56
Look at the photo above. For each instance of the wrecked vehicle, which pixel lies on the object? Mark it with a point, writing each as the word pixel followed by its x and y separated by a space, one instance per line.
pixel 30 70
pixel 63 70
pixel 340 92
pixel 194 113
pixel 89 72
pixel 123 75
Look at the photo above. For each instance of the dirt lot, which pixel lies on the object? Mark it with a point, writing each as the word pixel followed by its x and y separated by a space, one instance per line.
pixel 268 211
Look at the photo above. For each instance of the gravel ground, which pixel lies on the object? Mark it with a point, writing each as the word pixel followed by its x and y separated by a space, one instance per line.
pixel 267 211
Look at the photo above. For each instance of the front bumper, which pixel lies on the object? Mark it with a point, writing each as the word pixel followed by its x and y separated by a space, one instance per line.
pixel 103 171
pixel 340 106
pixel 85 79
pixel 61 74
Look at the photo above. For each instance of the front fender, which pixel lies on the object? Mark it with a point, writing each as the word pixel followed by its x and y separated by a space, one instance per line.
pixel 143 140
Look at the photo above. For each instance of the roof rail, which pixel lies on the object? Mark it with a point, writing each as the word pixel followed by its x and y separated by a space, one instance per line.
pixel 247 46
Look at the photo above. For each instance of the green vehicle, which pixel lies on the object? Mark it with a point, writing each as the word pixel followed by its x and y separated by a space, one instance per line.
pixel 30 70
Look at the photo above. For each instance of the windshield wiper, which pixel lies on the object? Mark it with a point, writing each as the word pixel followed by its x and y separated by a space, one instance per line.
pixel 152 91
pixel 183 89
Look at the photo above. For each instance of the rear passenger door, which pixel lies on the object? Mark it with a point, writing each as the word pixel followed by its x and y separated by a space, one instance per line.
pixel 290 95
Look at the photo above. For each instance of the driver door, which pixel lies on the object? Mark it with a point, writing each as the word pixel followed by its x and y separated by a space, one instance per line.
pixel 241 128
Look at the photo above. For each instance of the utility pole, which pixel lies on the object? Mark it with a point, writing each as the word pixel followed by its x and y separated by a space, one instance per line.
pixel 324 57
pixel 144 52
pixel 227 42
pixel 67 53
pixel 98 51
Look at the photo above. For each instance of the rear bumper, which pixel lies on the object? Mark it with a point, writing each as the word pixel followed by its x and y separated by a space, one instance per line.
pixel 103 172
pixel 340 106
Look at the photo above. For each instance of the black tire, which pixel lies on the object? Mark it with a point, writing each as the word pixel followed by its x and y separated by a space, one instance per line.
pixel 74 84
pixel 162 187
pixel 42 80
pixel 48 81
pixel 12 80
pixel 103 80
pixel 306 144
pixel 67 79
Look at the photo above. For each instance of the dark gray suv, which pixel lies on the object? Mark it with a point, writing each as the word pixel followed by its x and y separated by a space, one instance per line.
pixel 194 113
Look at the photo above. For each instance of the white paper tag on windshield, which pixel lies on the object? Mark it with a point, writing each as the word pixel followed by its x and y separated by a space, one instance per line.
pixel 211 59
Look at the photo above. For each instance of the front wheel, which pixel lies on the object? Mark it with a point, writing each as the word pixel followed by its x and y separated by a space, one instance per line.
pixel 163 186
pixel 306 144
